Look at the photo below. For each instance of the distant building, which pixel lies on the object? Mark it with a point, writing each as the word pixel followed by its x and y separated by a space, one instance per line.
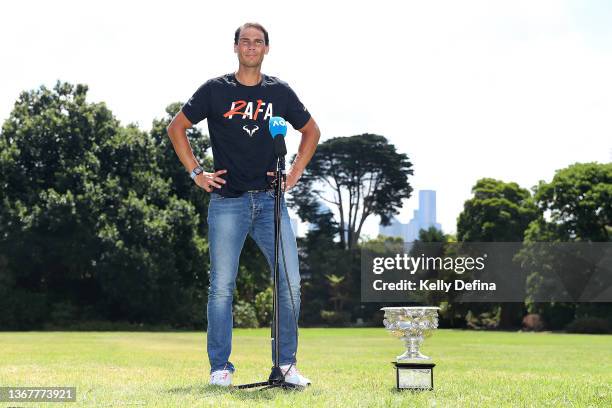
pixel 395 229
pixel 423 218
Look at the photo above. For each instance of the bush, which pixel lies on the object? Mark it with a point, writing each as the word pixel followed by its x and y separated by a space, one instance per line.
pixel 557 315
pixel 589 325
pixel 335 318
pixel 63 313
pixel 533 322
pixel 487 320
pixel 263 307
pixel 244 315
pixel 21 310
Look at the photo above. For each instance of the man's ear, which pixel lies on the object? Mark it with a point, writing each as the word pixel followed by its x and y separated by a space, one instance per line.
pixel 267 49
pixel 235 48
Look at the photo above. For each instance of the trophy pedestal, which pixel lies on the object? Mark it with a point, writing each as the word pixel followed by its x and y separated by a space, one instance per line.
pixel 414 375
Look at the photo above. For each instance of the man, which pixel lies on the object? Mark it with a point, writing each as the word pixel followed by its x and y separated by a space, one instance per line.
pixel 238 107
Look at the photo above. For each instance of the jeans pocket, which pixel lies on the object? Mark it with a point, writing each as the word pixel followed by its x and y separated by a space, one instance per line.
pixel 216 196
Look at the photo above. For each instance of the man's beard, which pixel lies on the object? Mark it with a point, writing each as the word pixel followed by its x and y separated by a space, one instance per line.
pixel 252 63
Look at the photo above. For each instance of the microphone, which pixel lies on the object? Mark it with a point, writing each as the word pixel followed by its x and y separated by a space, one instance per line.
pixel 278 130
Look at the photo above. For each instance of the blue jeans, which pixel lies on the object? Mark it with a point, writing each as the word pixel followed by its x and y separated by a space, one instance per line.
pixel 229 222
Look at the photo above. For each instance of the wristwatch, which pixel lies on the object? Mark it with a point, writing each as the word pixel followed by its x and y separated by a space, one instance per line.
pixel 196 171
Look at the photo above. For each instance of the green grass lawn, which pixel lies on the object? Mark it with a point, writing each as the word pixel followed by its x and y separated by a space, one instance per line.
pixel 348 367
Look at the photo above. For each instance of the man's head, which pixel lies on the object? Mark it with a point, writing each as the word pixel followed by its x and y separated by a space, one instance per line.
pixel 251 43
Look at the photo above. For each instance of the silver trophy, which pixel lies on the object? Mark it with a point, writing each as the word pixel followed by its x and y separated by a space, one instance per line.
pixel 412 325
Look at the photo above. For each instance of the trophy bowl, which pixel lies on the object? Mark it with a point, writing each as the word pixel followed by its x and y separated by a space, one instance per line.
pixel 411 325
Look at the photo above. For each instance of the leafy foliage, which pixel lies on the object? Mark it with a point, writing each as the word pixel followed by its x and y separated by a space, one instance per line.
pixel 498 212
pixel 578 201
pixel 89 216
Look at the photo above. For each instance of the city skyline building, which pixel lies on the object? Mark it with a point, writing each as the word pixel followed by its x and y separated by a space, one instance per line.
pixel 423 218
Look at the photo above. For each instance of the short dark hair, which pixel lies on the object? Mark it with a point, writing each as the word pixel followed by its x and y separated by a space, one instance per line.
pixel 254 25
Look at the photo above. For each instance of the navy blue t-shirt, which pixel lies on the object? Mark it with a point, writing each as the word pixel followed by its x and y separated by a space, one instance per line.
pixel 238 118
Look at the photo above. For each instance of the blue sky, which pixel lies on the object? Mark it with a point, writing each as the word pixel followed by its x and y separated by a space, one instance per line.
pixel 468 89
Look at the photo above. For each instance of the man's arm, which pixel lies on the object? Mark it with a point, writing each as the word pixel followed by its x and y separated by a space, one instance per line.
pixel 177 131
pixel 310 138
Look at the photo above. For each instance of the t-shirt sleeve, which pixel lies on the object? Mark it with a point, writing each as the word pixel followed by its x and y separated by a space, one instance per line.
pixel 297 114
pixel 197 107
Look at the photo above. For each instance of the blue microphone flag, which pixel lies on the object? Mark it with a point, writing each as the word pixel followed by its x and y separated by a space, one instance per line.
pixel 277 126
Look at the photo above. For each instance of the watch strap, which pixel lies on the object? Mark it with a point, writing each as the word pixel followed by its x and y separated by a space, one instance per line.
pixel 197 170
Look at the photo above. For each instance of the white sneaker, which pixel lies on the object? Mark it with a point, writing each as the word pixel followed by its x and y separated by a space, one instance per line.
pixel 293 376
pixel 222 378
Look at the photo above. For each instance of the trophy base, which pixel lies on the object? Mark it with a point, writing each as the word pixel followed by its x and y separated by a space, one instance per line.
pixel 414 376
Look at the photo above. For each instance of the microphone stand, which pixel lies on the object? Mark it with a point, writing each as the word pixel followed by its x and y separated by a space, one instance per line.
pixel 276 379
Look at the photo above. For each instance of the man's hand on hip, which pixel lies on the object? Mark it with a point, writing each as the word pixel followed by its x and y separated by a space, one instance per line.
pixel 210 181
pixel 293 175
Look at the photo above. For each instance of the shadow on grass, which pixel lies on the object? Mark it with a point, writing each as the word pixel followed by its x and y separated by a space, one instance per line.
pixel 213 390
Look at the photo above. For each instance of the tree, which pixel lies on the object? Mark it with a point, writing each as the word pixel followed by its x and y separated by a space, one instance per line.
pixel 89 226
pixel 360 176
pixel 317 252
pixel 48 174
pixel 432 234
pixel 576 206
pixel 170 166
pixel 579 203
pixel 498 212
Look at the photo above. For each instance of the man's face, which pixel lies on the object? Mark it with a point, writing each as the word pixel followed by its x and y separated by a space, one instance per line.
pixel 251 47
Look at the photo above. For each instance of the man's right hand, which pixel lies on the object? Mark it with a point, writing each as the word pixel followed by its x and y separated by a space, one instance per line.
pixel 210 181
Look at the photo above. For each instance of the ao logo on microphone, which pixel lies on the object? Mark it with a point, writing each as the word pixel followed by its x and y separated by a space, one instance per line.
pixel 277 126
pixel 277 121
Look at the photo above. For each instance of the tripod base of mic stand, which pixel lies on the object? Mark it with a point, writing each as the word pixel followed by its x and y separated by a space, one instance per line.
pixel 276 380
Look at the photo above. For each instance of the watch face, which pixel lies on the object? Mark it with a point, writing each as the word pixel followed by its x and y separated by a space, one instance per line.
pixel 196 171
